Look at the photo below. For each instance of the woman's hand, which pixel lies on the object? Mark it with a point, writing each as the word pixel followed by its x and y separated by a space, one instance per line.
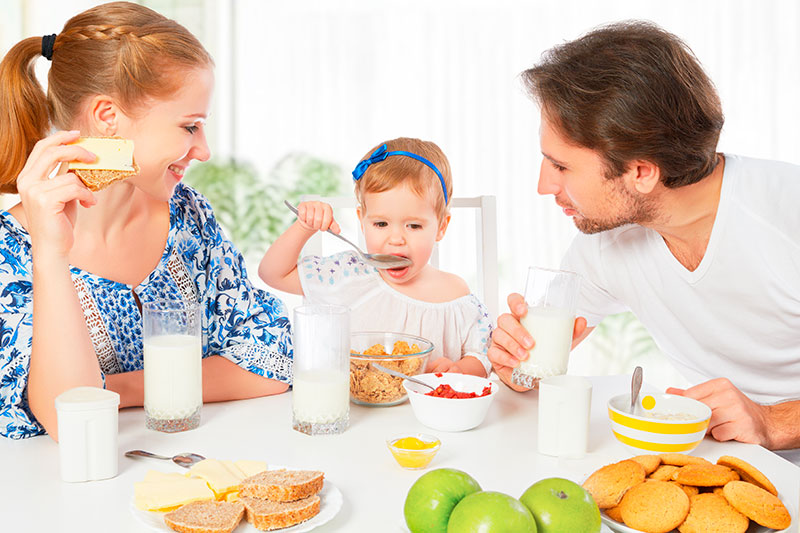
pixel 50 204
pixel 511 342
pixel 317 216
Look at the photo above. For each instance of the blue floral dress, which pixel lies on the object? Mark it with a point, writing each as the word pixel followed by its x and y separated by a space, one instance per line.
pixel 245 325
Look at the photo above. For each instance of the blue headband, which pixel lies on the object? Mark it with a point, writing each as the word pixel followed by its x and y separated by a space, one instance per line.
pixel 381 153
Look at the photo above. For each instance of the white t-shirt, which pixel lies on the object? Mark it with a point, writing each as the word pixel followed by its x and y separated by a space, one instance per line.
pixel 738 314
pixel 456 328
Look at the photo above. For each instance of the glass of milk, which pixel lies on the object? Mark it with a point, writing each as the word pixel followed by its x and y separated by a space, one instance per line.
pixel 551 296
pixel 173 353
pixel 321 383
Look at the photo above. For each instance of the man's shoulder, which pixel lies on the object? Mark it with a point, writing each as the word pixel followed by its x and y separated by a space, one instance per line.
pixel 761 176
pixel 765 191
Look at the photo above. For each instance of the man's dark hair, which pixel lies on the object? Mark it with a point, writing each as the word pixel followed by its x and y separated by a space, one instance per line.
pixel 632 91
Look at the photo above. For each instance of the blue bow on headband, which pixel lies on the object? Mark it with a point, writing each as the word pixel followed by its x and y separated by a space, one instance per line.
pixel 382 153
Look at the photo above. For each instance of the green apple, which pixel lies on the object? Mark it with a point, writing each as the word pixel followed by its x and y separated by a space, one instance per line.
pixel 491 512
pixel 560 505
pixel 433 496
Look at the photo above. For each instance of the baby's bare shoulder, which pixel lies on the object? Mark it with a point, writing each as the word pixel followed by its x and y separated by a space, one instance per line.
pixel 450 285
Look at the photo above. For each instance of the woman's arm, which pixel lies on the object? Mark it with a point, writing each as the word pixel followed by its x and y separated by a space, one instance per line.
pixel 222 381
pixel 62 355
pixel 278 267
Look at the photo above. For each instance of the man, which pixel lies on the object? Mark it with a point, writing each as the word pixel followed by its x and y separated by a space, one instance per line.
pixel 703 247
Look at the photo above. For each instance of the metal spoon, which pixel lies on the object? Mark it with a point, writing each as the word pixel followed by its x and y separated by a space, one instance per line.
pixel 376 260
pixel 636 385
pixel 182 459
pixel 397 374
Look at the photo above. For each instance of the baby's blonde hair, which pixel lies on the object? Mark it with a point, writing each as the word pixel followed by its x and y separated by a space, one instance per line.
pixel 399 170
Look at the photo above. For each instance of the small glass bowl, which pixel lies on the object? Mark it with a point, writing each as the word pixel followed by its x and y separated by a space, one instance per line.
pixel 414 459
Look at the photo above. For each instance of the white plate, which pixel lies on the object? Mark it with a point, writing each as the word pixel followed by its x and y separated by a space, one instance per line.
pixel 622 528
pixel 330 503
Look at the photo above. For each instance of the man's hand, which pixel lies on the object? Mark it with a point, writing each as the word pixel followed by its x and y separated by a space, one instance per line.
pixel 734 416
pixel 511 341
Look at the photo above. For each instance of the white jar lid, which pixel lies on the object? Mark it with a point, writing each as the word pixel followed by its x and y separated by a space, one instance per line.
pixel 86 399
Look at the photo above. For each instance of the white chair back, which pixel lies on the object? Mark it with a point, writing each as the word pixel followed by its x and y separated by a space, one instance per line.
pixel 485 208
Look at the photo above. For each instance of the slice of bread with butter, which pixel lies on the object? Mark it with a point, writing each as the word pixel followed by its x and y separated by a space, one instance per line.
pixel 114 161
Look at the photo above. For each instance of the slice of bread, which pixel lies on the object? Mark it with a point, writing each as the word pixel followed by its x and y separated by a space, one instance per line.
pixel 282 485
pixel 114 161
pixel 206 517
pixel 100 179
pixel 266 515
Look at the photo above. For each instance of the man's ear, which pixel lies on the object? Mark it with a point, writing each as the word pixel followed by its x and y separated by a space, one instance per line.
pixel 443 227
pixel 644 176
pixel 104 115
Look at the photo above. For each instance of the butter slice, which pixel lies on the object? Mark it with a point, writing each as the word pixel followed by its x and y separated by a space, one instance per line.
pixel 221 476
pixel 113 153
pixel 251 468
pixel 167 494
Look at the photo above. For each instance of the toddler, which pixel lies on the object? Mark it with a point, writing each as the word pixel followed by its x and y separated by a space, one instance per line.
pixel 403 189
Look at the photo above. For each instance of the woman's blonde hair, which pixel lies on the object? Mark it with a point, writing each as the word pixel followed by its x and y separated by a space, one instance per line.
pixel 119 49
pixel 399 170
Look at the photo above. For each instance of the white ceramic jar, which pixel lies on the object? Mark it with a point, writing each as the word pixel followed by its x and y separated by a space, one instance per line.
pixel 87 433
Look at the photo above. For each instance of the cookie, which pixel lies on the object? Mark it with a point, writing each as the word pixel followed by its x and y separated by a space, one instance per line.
pixel 681 459
pixel 608 484
pixel 757 504
pixel 614 513
pixel 639 512
pixel 705 475
pixel 690 490
pixel 649 462
pixel 748 472
pixel 711 513
pixel 664 472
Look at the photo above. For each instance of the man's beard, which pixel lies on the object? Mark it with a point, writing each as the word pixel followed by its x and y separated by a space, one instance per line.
pixel 635 210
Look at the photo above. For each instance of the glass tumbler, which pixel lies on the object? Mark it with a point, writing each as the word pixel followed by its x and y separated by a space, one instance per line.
pixel 321 386
pixel 552 297
pixel 173 377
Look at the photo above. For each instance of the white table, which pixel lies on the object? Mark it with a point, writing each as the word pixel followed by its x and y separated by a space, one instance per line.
pixel 500 454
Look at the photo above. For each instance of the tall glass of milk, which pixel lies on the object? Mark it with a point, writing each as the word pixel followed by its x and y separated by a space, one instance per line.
pixel 321 383
pixel 552 297
pixel 173 353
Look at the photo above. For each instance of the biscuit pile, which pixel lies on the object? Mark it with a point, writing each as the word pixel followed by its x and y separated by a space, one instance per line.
pixel 660 493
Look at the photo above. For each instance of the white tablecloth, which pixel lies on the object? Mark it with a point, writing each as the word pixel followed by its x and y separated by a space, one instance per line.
pixel 500 454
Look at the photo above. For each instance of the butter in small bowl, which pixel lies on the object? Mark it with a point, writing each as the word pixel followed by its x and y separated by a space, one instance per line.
pixel 413 451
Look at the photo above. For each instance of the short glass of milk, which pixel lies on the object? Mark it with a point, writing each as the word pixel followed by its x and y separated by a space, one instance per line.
pixel 173 353
pixel 321 379
pixel 552 296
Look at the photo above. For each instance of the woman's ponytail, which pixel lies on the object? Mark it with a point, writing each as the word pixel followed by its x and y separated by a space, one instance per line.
pixel 25 116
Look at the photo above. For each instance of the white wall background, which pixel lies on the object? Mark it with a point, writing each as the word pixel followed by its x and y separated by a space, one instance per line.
pixel 335 78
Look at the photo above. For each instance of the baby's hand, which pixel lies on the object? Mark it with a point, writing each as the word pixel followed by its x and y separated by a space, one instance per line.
pixel 442 364
pixel 317 216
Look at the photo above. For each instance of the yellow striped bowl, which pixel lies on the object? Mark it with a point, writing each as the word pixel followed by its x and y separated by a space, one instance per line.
pixel 660 423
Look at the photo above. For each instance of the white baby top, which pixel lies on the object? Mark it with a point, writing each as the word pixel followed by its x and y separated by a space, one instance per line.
pixel 738 314
pixel 456 328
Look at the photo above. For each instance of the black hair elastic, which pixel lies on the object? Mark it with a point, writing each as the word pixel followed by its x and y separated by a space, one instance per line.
pixel 47 46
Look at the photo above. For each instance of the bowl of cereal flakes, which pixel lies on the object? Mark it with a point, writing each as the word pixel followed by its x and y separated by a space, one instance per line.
pixel 407 354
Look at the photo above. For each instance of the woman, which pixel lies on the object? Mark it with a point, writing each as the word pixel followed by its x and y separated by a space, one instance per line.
pixel 77 265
